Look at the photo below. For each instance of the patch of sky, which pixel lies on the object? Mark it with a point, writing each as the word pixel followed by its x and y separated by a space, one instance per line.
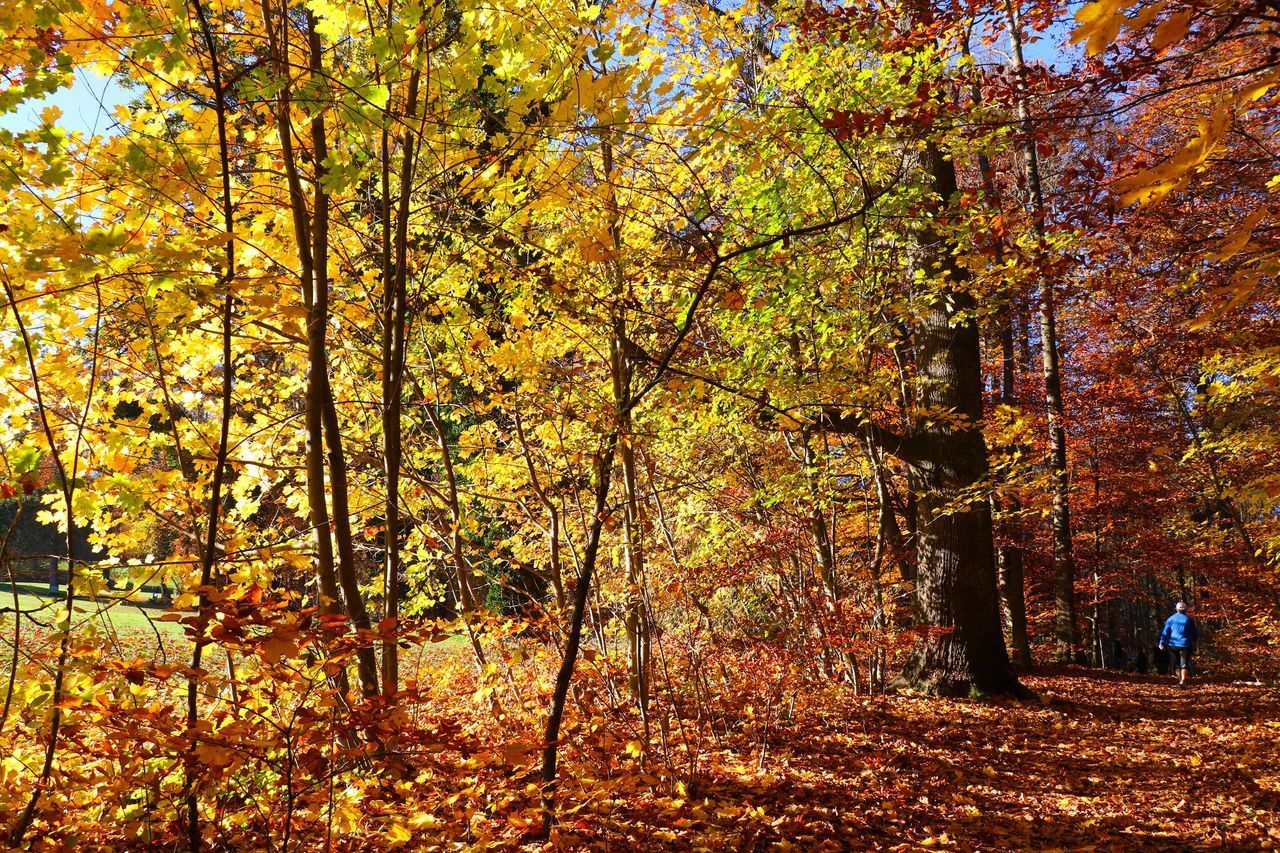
pixel 87 105
pixel 1051 47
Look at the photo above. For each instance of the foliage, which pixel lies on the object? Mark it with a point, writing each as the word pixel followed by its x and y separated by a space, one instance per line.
pixel 498 385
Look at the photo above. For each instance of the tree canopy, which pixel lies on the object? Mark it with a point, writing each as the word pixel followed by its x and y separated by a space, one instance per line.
pixel 474 405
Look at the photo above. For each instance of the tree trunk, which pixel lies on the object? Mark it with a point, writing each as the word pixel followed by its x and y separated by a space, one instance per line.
pixel 638 628
pixel 1012 584
pixel 317 327
pixel 67 480
pixel 1010 577
pixel 209 553
pixel 555 562
pixel 1067 626
pixel 961 649
pixel 551 741
pixel 637 615
pixel 328 597
pixel 394 322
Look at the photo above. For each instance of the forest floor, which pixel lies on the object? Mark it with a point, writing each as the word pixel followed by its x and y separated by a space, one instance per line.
pixel 1105 761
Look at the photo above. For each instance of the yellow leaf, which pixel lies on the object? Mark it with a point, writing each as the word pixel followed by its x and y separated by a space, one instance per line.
pixel 1151 185
pixel 1145 15
pixel 1238 239
pixel 1257 90
pixel 214 755
pixel 398 834
pixel 277 647
pixel 1171 30
pixel 1100 23
pixel 1241 289
pixel 1092 13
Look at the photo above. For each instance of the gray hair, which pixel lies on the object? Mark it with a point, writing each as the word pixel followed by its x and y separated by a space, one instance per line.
pixel 1181 607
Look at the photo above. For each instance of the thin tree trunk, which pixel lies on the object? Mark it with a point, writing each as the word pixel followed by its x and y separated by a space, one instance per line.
pixel 637 618
pixel 348 579
pixel 1215 475
pixel 820 536
pixel 622 368
pixel 553 515
pixel 1011 576
pixel 67 488
pixel 463 571
pixel 1067 625
pixel 886 546
pixel 820 533
pixel 551 740
pixel 329 599
pixel 394 322
pixel 209 555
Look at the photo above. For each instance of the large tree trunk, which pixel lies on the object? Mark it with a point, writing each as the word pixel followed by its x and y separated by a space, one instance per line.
pixel 961 649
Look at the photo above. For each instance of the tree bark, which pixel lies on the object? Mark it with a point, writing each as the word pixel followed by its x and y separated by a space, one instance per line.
pixel 553 515
pixel 394 323
pixel 961 649
pixel 1008 507
pixel 317 328
pixel 551 740
pixel 209 553
pixel 67 486
pixel 1011 578
pixel 328 597
pixel 637 618
pixel 1067 625
pixel 622 367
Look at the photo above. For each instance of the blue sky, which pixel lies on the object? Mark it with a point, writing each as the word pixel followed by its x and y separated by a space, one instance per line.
pixel 86 105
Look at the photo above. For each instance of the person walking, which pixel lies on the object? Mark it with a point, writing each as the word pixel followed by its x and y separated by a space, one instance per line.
pixel 1180 636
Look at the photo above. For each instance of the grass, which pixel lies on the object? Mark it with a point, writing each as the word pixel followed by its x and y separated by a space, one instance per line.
pixel 142 598
pixel 128 618
pixel 133 620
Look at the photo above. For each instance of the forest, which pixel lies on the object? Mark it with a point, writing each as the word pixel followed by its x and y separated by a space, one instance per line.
pixel 679 424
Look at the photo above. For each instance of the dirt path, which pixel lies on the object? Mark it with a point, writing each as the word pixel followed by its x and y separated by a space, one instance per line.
pixel 1106 761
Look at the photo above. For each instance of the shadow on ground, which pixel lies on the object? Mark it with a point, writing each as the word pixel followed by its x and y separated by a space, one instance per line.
pixel 1105 761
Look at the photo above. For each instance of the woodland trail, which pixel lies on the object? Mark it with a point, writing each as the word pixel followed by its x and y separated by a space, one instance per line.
pixel 1106 761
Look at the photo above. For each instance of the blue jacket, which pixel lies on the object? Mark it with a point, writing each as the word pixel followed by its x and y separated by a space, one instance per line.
pixel 1179 632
